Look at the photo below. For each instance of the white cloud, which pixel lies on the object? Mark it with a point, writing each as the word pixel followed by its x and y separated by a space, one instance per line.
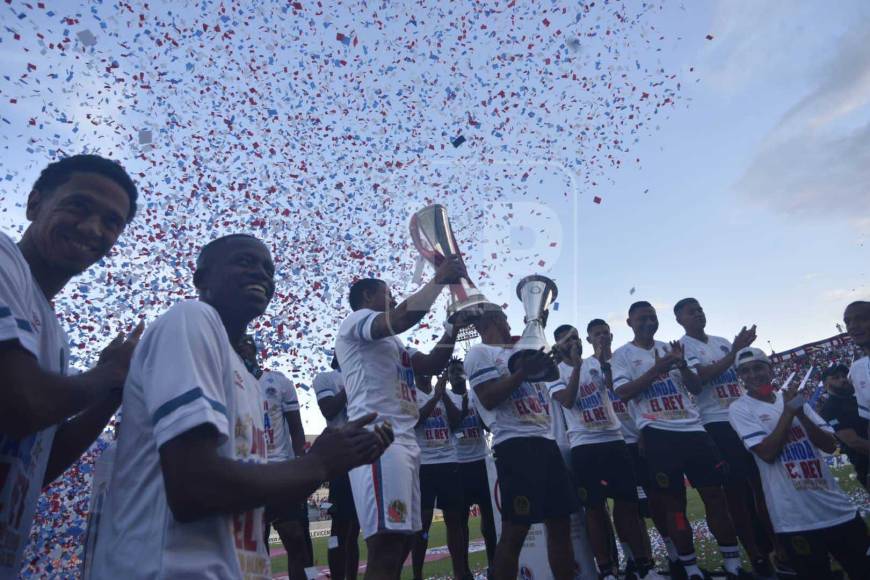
pixel 844 296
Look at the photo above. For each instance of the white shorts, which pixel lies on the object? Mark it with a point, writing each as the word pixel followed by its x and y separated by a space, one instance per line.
pixel 387 492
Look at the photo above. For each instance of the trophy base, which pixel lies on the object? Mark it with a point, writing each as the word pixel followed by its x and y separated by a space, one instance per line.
pixel 470 309
pixel 551 373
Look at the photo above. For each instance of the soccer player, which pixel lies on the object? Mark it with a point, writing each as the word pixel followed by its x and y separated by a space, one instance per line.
pixel 439 472
pixel 652 376
pixel 379 372
pixel 191 475
pixel 840 410
pixel 285 440
pixel 602 464
pixel 811 515
pixel 857 321
pixel 534 481
pixel 471 450
pixel 343 552
pixel 713 361
pixel 77 209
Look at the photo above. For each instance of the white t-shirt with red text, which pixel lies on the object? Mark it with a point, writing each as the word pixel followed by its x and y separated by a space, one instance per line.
pixel 279 398
pixel 469 436
pixel 800 491
pixel 666 403
pixel 433 433
pixel 525 413
pixel 717 394
pixel 377 375
pixel 184 374
pixel 591 419
pixel 26 318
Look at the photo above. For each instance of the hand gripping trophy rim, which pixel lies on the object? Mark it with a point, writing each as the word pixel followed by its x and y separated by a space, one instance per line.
pixel 433 237
pixel 536 301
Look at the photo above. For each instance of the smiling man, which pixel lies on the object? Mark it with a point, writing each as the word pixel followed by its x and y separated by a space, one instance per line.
pixel 78 208
pixel 857 320
pixel 191 476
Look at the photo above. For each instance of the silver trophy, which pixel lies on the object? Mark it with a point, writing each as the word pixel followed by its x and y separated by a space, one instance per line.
pixel 433 238
pixel 537 293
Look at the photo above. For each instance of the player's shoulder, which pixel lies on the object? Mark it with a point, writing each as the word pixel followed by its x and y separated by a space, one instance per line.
pixel 623 350
pixel 742 404
pixel 188 316
pixel 479 351
pixel 858 365
pixel 356 316
pixel 12 259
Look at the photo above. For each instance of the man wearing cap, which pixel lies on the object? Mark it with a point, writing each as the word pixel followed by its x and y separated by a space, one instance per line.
pixel 713 361
pixel 840 410
pixel 857 321
pixel 811 516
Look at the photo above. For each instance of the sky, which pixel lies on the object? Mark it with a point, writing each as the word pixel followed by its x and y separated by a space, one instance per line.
pixel 743 186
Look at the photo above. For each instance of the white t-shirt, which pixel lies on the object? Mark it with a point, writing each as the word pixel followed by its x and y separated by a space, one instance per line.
pixel 666 404
pixel 433 433
pixel 859 376
pixel 279 397
pixel 591 419
pixel 99 488
pixel 800 491
pixel 526 413
pixel 629 429
pixel 184 374
pixel 377 375
pixel 331 384
pixel 27 318
pixel 720 392
pixel 470 439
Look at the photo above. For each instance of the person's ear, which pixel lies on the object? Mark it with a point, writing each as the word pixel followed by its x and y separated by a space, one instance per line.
pixel 34 202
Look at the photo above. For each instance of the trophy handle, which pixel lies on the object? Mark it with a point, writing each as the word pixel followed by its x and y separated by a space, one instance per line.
pixel 461 289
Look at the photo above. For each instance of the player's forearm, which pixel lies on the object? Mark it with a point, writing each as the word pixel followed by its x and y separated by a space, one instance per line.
pixel 771 446
pixel 407 314
pixel 817 436
pixel 297 432
pixel 493 393
pixel 226 486
pixel 568 396
pixel 691 380
pixel 332 406
pixel 32 399
pixel 710 372
pixel 454 415
pixel 426 410
pixel 631 389
pixel 434 362
pixel 75 436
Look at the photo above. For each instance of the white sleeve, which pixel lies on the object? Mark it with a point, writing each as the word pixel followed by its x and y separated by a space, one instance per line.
pixel 620 369
pixel 747 426
pixel 480 366
pixel 15 292
pixel 559 384
pixel 690 353
pixel 815 418
pixel 860 394
pixel 289 398
pixel 183 368
pixel 358 326
pixel 324 387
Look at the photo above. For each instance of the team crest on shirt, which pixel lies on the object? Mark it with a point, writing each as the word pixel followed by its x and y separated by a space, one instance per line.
pixel 397 511
pixel 271 391
pixel 522 506
pixel 238 380
pixel 593 372
pixel 526 573
pixel 764 417
pixel 724 348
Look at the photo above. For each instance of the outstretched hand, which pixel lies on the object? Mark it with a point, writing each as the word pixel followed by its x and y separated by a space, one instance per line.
pixel 744 338
pixel 352 445
pixel 116 357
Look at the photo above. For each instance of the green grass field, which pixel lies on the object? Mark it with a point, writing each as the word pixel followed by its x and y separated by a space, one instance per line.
pixel 706 548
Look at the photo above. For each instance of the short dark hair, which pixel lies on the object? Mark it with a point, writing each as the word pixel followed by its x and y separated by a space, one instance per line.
pixel 208 251
pixel 638 304
pixel 562 330
pixel 56 174
pixel 683 303
pixel 358 290
pixel 858 303
pixel 595 322
pixel 835 369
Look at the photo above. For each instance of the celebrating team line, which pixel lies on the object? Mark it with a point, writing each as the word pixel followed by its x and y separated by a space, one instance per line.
pixel 210 451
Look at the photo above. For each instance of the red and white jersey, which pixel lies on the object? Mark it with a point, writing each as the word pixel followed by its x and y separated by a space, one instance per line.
pixel 184 374
pixel 800 491
pixel 26 318
pixel 666 403
pixel 279 397
pixel 591 419
pixel 377 375
pixel 526 413
pixel 717 394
